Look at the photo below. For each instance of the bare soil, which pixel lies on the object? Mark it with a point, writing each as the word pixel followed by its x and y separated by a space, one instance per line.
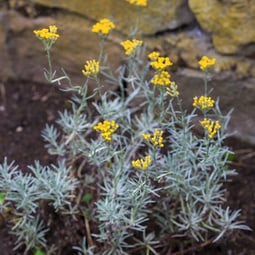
pixel 26 108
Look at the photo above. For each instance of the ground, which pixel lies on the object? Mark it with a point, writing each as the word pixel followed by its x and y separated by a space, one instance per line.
pixel 25 108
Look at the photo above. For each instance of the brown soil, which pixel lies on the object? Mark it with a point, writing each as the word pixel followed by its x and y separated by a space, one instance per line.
pixel 28 107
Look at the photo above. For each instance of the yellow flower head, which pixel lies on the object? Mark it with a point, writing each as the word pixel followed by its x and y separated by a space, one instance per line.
pixel 210 126
pixel 161 79
pixel 106 128
pixel 172 90
pixel 138 2
pixel 91 67
pixel 161 63
pixel 206 62
pixel 48 34
pixel 142 164
pixel 131 45
pixel 103 27
pixel 154 55
pixel 156 139
pixel 203 102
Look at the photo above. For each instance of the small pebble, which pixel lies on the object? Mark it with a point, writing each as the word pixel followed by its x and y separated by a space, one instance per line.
pixel 19 129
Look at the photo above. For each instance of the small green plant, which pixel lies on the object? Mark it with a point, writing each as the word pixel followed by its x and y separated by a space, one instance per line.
pixel 144 179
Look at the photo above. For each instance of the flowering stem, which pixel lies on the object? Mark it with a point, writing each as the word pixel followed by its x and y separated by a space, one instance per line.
pixel 50 74
pixel 205 79
pixel 101 49
pixel 99 87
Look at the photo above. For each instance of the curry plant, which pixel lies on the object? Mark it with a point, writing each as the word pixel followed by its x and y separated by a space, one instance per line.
pixel 151 178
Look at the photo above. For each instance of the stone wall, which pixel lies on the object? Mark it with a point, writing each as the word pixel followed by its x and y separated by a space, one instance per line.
pixel 184 30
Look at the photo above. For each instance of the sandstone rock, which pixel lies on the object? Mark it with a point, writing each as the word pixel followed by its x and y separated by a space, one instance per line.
pixel 190 46
pixel 187 47
pixel 231 23
pixel 158 16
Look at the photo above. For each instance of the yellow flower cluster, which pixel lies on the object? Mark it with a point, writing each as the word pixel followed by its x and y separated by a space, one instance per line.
pixel 156 139
pixel 107 128
pixel 161 63
pixel 211 126
pixel 153 55
pixel 142 164
pixel 103 27
pixel 172 90
pixel 91 67
pixel 162 78
pixel 206 62
pixel 203 102
pixel 48 34
pixel 138 2
pixel 131 45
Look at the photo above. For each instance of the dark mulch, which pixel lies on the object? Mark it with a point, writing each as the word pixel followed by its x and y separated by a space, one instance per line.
pixel 29 106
